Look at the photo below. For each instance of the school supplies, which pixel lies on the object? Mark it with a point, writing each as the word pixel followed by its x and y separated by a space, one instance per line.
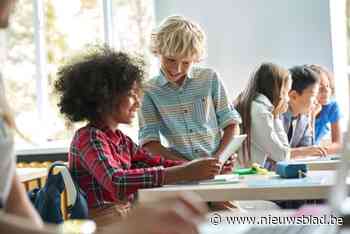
pixel 287 169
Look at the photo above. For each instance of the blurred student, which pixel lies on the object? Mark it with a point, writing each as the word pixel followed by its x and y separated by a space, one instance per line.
pixel 13 198
pixel 302 96
pixel 261 104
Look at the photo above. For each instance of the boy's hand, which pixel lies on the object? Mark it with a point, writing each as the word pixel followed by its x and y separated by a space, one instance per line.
pixel 316 151
pixel 227 168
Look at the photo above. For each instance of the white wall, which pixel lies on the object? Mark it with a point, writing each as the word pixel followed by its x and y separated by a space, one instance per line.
pixel 244 33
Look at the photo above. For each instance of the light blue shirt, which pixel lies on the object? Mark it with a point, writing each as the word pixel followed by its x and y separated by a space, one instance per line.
pixel 190 117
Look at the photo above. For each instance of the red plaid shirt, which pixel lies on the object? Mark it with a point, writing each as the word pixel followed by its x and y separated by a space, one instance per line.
pixel 110 167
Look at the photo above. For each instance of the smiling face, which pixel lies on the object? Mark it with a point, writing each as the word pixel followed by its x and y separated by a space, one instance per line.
pixel 301 103
pixel 324 93
pixel 175 68
pixel 125 109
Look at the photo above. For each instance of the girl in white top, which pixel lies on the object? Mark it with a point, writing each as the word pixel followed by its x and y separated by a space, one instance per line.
pixel 260 105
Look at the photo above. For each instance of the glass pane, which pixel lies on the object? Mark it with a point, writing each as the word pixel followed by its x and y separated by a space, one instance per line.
pixel 70 26
pixel 133 21
pixel 19 69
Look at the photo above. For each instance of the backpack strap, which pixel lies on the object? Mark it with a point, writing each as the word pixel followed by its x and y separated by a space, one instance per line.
pixel 71 187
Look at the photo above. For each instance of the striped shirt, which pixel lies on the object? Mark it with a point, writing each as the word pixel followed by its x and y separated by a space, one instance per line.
pixel 190 117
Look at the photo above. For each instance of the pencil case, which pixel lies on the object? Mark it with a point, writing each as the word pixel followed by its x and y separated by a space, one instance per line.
pixel 291 169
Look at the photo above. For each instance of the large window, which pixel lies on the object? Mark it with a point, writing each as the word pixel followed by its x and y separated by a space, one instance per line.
pixel 45 33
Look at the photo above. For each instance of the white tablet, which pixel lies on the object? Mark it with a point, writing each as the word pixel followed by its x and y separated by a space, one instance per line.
pixel 232 148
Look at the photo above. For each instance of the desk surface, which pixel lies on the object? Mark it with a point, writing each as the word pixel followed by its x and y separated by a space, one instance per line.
pixel 27 174
pixel 328 163
pixel 252 187
pixel 321 165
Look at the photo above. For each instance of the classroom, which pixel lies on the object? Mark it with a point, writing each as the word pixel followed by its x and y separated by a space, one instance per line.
pixel 174 117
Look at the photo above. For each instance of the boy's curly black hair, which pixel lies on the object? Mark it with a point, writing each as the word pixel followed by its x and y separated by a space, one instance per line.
pixel 89 87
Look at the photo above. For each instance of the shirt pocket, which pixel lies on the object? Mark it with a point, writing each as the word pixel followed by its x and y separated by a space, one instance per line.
pixel 204 112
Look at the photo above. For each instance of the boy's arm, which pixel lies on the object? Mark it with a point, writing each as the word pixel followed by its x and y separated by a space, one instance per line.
pixel 149 121
pixel 228 117
pixel 226 114
pixel 229 132
pixel 155 147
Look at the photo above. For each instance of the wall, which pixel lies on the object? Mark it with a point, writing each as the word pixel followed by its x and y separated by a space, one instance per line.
pixel 242 34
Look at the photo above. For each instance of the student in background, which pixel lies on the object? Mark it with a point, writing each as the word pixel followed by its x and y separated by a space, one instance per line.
pixel 104 89
pixel 327 113
pixel 296 120
pixel 261 104
pixel 13 198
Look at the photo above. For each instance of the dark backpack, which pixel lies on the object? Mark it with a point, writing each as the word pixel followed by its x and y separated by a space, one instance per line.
pixel 47 200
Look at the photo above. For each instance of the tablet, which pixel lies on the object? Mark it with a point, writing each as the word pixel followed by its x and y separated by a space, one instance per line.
pixel 232 148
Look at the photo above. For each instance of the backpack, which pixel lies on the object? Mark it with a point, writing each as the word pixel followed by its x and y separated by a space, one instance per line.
pixel 47 200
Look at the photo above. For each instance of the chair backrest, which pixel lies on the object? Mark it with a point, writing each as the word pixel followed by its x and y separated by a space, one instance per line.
pixel 47 200
pixel 68 181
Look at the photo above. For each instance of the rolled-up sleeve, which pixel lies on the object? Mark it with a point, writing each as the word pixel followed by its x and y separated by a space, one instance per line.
pixel 149 121
pixel 225 112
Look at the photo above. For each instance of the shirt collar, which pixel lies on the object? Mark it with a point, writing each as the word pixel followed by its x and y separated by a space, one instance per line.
pixel 289 115
pixel 114 135
pixel 162 80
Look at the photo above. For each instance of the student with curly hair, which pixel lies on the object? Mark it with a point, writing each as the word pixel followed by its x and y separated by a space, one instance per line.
pixel 103 88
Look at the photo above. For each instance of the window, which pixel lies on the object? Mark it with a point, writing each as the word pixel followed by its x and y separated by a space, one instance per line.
pixel 19 69
pixel 43 34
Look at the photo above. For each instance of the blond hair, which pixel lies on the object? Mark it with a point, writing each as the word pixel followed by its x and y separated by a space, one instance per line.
pixel 179 36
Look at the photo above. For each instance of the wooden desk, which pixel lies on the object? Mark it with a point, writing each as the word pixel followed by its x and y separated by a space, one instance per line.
pixel 245 191
pixel 27 175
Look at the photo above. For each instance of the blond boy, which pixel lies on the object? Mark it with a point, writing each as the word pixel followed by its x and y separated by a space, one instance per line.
pixel 187 105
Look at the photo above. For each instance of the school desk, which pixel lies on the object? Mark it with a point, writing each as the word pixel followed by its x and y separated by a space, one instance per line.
pixel 252 187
